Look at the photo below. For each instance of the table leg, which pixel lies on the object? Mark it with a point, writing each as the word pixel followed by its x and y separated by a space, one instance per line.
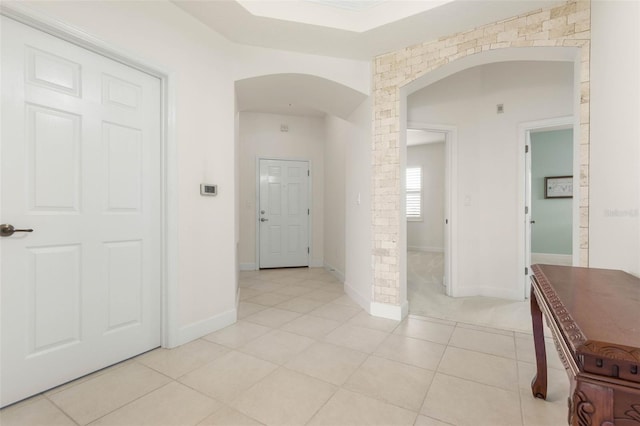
pixel 539 383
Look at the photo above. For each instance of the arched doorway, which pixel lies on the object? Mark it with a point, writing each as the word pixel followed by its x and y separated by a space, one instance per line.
pixel 398 73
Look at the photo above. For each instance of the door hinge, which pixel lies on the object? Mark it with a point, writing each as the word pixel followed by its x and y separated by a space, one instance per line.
pixel 308 173
pixel 526 209
pixel 526 149
pixel 526 271
pixel 308 212
pixel 308 250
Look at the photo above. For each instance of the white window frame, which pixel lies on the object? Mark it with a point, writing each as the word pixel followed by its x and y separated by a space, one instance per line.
pixel 413 189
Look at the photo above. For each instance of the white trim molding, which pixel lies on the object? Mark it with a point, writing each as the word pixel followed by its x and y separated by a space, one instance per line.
pixel 426 249
pixel 450 248
pixel 316 263
pixel 360 299
pixel 247 267
pixel 552 259
pixel 499 293
pixel 524 195
pixel 392 312
pixel 171 333
pixel 334 271
pixel 201 328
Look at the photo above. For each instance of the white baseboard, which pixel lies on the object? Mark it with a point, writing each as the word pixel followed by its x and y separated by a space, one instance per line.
pixel 335 272
pixel 360 299
pixel 426 249
pixel 376 309
pixel 248 267
pixel 317 263
pixel 509 294
pixel 393 312
pixel 201 328
pixel 552 259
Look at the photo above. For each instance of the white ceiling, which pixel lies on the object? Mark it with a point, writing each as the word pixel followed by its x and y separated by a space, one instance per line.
pixel 355 29
pixel 298 25
pixel 422 137
pixel 350 15
pixel 297 94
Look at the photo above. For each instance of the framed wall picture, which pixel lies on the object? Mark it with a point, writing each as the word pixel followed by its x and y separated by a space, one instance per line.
pixel 558 187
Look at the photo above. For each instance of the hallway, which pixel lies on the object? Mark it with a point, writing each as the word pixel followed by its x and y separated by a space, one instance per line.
pixel 303 353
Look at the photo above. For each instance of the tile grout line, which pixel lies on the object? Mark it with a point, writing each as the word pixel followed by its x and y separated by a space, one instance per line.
pixel 320 340
pixel 518 374
pixel 315 340
pixel 61 409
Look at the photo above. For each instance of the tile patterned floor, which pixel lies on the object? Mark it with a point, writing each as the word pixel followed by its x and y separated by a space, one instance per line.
pixel 302 353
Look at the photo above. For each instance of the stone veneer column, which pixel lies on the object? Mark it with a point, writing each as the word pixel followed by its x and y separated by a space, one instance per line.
pixel 566 25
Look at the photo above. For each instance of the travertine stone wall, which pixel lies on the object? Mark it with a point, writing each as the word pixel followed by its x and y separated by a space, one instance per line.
pixel 566 25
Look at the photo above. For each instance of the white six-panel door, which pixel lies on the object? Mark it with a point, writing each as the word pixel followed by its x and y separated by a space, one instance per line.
pixel 81 166
pixel 283 215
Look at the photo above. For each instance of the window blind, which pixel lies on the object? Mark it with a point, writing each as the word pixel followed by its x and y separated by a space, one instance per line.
pixel 414 192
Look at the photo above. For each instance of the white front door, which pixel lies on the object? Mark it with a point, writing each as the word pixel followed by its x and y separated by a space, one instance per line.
pixel 81 166
pixel 283 214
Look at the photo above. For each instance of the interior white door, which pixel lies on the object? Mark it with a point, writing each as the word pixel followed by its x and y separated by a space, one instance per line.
pixel 81 166
pixel 528 220
pixel 446 279
pixel 283 216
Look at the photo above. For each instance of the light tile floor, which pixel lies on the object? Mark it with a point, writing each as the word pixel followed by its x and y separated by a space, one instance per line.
pixel 303 353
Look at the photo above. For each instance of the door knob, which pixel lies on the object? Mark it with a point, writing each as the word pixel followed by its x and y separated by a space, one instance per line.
pixel 532 222
pixel 7 230
pixel 262 219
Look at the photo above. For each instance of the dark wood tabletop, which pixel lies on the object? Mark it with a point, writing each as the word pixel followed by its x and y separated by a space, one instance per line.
pixel 602 304
pixel 594 317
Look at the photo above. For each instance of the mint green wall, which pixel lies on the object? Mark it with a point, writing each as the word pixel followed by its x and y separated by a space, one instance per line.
pixel 551 155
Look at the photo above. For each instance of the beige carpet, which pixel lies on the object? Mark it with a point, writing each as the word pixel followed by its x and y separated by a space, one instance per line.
pixel 427 297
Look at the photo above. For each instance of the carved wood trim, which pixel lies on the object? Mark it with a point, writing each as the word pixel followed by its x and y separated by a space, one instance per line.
pixel 568 324
pixel 592 405
pixel 561 355
pixel 584 409
pixel 632 415
pixel 613 352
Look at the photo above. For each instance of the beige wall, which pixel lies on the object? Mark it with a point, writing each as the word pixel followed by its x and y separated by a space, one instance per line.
pixel 337 136
pixel 564 26
pixel 358 262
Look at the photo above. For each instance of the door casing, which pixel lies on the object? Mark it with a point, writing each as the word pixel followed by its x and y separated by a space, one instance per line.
pixel 257 204
pixel 524 231
pixel 450 195
pixel 169 168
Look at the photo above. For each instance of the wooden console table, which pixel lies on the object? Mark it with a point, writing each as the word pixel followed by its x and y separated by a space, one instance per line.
pixel 594 316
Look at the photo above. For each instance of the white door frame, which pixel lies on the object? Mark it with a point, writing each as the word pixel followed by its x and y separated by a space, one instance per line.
pixel 169 168
pixel 257 211
pixel 450 200
pixel 524 195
